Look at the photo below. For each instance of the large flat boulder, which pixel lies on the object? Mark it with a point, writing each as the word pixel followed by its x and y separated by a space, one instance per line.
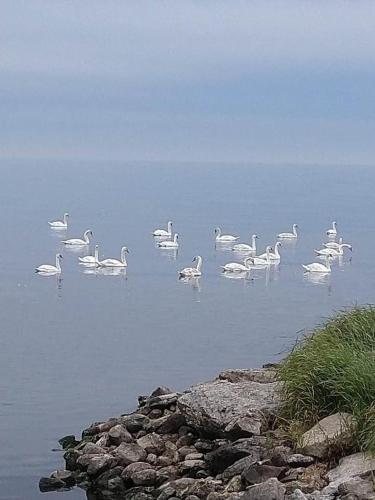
pixel 230 408
pixel 337 428
pixel 356 465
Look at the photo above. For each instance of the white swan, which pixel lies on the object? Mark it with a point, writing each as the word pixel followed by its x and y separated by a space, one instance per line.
pixel 333 252
pixel 262 261
pixel 273 256
pixel 163 232
pixel 169 244
pixel 114 262
pixel 90 259
pixel 77 241
pixel 60 224
pixel 333 244
pixel 189 272
pixel 333 230
pixel 244 247
pixel 224 237
pixel 293 234
pixel 317 267
pixel 236 267
pixel 48 269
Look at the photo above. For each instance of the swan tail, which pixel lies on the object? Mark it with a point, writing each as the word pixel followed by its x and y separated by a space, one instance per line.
pixel 306 268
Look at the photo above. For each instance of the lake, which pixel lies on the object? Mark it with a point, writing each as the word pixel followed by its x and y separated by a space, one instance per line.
pixel 83 347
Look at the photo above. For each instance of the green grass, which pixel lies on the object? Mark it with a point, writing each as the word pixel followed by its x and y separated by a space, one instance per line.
pixel 331 370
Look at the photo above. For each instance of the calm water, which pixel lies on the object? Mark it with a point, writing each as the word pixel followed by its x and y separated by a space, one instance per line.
pixel 83 348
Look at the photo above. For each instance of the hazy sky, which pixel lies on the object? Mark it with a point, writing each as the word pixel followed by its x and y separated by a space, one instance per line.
pixel 263 81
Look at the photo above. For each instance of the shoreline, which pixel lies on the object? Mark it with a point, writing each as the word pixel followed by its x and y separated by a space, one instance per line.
pixel 220 439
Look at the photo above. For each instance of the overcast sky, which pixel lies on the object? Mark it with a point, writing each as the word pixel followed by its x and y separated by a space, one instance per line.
pixel 258 81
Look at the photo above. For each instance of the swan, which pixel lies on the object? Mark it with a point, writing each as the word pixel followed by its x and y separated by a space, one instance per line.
pixel 244 247
pixel 60 224
pixel 317 267
pixel 48 269
pixel 333 244
pixel 168 243
pixel 77 241
pixel 333 230
pixel 289 235
pixel 333 252
pixel 114 262
pixel 224 237
pixel 262 261
pixel 275 256
pixel 190 272
pixel 90 259
pixel 163 232
pixel 236 267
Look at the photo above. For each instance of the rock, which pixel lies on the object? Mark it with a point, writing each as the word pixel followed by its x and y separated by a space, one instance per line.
pixel 185 440
pixel 92 449
pixel 351 466
pixel 128 453
pixel 204 445
pixel 298 460
pixel 260 375
pixel 67 442
pixel 164 461
pixel 130 469
pixel 50 484
pixel 271 489
pixel 106 481
pixel 185 429
pixel 292 474
pixel 169 424
pixel 279 455
pixel 252 444
pixel 297 495
pixel 170 473
pixel 215 406
pixel 135 422
pixel 64 475
pixel 71 457
pixel 201 488
pixel 194 456
pixel 100 427
pixel 258 473
pixel 95 464
pixel 161 390
pixel 136 493
pixel 239 466
pixel 103 441
pixel 119 434
pixel 224 456
pixel 155 414
pixel 152 443
pixel 330 430
pixel 361 489
pixel 163 401
pixel 146 477
pixel 167 493
pixel 244 426
pixel 235 485
pixel 191 466
pixel 152 459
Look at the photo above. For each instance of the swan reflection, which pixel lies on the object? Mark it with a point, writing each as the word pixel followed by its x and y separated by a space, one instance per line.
pixel 242 275
pixel 193 282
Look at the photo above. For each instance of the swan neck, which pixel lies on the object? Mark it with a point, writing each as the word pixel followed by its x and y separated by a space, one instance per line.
pixel 294 230
pixel 123 256
pixel 169 227
pixel 253 242
pixel 199 263
pixel 86 237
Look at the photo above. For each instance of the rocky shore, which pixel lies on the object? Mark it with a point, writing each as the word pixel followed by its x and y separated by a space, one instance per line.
pixel 217 440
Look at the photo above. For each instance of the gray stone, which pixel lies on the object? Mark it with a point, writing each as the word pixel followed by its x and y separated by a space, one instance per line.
pixel 127 453
pixel 135 422
pixel 258 473
pixel 244 426
pixel 333 429
pixel 271 489
pixel 92 449
pixel 146 477
pixel 239 466
pixel 194 456
pixel 361 489
pixel 234 485
pixel 297 495
pixel 191 466
pixel 204 445
pixel 161 390
pixel 67 442
pixel 50 484
pixel 105 480
pixel 351 466
pixel 260 375
pixel 167 493
pixel 152 443
pixel 119 434
pixel 134 467
pixel 202 487
pixel 64 475
pixel 279 455
pixel 168 424
pixel 298 460
pixel 99 463
pixel 220 459
pixel 215 406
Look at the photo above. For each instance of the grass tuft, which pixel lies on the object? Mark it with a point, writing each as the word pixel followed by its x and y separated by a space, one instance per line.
pixel 331 370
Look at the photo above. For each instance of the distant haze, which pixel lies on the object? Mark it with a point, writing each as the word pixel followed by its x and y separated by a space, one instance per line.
pixel 257 81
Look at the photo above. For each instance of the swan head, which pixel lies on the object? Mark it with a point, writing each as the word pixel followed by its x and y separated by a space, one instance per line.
pixel 248 261
pixel 278 244
pixel 255 236
pixel 88 232
pixel 269 248
pixel 295 226
pixel 334 224
pixel 59 256
pixel 124 250
pixel 66 214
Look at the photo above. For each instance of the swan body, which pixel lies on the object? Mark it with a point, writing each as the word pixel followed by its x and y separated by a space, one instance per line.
pixel 244 247
pixel 291 235
pixel 262 261
pixel 333 252
pixel 114 262
pixel 275 256
pixel 236 267
pixel 49 269
pixel 224 237
pixel 60 224
pixel 191 272
pixel 333 230
pixel 90 259
pixel 169 244
pixel 163 232
pixel 317 267
pixel 333 244
pixel 79 242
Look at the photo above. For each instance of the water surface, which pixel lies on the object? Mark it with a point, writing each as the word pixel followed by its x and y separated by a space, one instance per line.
pixel 82 348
